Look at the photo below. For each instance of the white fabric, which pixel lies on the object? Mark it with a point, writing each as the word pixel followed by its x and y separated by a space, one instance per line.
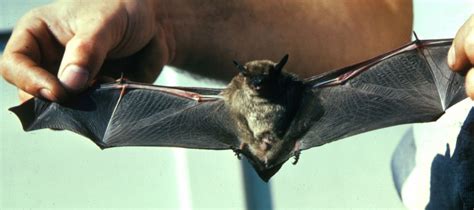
pixel 430 140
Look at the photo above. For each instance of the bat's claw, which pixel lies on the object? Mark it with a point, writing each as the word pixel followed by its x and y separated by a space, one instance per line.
pixel 237 153
pixel 297 156
pixel 297 152
pixel 239 150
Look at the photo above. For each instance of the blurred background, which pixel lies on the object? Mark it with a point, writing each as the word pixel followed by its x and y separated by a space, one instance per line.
pixel 58 169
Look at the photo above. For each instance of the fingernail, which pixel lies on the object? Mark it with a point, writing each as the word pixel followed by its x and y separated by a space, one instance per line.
pixel 74 78
pixel 45 93
pixel 451 57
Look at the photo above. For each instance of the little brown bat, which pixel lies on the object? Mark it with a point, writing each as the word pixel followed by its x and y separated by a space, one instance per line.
pixel 263 100
pixel 265 114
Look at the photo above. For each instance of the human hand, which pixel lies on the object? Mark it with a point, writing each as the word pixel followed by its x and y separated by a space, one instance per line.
pixel 64 47
pixel 461 54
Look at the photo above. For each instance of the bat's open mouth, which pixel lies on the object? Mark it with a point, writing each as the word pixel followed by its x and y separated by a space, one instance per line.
pixel 256 87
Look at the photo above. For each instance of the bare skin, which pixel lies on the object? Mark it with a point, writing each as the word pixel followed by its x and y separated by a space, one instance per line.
pixel 62 48
pixel 461 54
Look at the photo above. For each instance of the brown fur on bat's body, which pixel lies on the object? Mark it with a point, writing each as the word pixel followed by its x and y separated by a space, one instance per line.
pixel 263 100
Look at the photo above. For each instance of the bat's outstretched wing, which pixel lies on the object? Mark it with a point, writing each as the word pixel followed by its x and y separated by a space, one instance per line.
pixel 134 114
pixel 411 84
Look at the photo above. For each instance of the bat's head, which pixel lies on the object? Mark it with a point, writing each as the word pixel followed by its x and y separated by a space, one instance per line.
pixel 261 75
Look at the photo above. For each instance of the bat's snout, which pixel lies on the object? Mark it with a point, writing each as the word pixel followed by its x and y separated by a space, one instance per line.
pixel 256 83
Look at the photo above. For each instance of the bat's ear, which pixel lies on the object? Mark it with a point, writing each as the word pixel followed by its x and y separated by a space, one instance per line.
pixel 241 68
pixel 282 63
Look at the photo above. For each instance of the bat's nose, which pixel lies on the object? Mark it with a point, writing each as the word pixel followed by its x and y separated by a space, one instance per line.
pixel 265 146
pixel 257 82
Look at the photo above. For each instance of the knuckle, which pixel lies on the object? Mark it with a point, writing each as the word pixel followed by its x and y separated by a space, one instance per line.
pixel 88 46
pixel 5 68
pixel 469 40
pixel 14 70
pixel 32 14
pixel 35 12
pixel 81 44
pixel 85 52
pixel 102 20
pixel 97 21
pixel 469 44
pixel 2 69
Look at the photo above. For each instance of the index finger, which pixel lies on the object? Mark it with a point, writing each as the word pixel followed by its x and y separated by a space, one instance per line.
pixel 22 58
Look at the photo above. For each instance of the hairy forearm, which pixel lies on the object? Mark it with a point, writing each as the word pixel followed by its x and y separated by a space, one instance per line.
pixel 318 35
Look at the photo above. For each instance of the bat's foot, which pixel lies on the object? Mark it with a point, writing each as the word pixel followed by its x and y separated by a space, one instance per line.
pixel 297 156
pixel 237 153
pixel 296 152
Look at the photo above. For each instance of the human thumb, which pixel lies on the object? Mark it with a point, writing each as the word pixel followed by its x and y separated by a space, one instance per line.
pixel 82 59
